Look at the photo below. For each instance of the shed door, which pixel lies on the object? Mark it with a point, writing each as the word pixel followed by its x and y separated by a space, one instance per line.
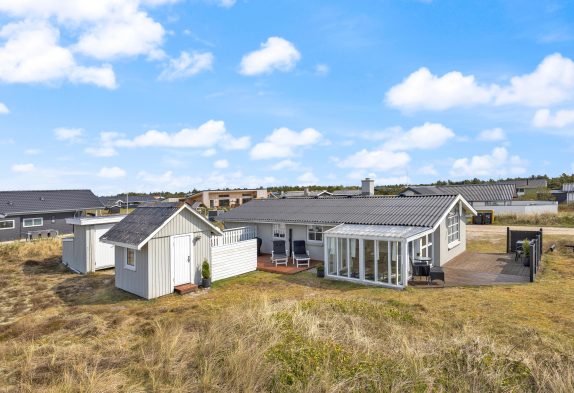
pixel 181 259
pixel 104 253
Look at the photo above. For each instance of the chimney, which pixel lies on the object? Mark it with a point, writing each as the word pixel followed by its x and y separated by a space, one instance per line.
pixel 368 187
pixel 306 191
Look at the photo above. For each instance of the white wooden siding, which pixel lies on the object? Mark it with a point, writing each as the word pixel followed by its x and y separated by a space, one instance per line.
pixel 233 259
pixel 234 235
pixel 134 281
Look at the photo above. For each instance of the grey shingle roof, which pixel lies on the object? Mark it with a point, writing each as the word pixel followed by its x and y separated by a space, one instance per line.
pixel 527 183
pixel 140 223
pixel 411 211
pixel 110 201
pixel 47 201
pixel 471 192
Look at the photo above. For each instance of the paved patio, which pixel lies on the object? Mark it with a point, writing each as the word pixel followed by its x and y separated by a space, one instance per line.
pixel 264 264
pixel 472 268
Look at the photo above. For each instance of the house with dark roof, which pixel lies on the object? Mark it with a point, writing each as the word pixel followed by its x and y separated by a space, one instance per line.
pixel 489 199
pixel 371 240
pixel 526 186
pixel 35 214
pixel 114 204
pixel 160 247
pixel 214 199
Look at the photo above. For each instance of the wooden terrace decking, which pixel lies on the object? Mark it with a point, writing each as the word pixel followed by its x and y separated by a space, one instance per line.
pixel 472 268
pixel 264 264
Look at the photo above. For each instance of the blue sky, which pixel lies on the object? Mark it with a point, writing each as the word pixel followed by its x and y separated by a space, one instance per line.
pixel 147 95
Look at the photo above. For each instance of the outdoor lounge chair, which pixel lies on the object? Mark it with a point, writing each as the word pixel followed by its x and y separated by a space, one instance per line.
pixel 420 269
pixel 300 253
pixel 279 254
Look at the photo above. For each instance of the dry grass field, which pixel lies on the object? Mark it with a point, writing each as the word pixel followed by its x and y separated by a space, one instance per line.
pixel 60 332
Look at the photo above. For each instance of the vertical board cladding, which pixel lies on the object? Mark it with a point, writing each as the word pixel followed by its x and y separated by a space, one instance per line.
pixel 234 259
pixel 160 282
pixel 133 281
pixel 68 251
pixel 78 262
pixel 446 253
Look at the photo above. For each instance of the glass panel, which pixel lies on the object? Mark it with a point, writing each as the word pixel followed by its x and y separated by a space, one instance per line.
pixel 383 262
pixel 342 257
pixel 130 258
pixel 332 255
pixel 354 257
pixel 369 259
pixel 395 258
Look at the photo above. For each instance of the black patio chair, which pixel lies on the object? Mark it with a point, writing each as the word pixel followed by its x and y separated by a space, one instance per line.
pixel 279 254
pixel 300 253
pixel 420 269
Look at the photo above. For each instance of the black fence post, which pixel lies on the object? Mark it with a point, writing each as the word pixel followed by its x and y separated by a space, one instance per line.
pixel 508 240
pixel 541 248
pixel 532 259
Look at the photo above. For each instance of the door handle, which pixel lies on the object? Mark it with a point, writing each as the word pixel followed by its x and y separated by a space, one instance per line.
pixel 188 258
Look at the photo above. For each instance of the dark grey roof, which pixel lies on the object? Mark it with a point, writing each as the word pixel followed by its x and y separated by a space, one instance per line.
pixel 48 201
pixel 348 192
pixel 110 201
pixel 471 192
pixel 527 183
pixel 141 223
pixel 411 211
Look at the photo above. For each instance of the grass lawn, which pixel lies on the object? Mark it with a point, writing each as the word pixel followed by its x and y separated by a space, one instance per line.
pixel 264 332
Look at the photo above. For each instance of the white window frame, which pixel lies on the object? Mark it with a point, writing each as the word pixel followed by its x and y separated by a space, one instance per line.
pixel 33 224
pixel 453 227
pixel 13 224
pixel 322 232
pixel 279 229
pixel 126 266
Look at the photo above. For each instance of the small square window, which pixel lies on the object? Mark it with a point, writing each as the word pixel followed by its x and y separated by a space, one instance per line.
pixel 130 259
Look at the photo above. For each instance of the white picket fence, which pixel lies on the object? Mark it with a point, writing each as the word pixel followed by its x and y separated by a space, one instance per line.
pixel 234 235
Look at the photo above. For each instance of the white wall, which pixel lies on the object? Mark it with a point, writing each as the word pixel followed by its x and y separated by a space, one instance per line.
pixel 519 208
pixel 233 259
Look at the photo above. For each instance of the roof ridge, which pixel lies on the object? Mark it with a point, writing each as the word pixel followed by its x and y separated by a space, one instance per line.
pixel 55 190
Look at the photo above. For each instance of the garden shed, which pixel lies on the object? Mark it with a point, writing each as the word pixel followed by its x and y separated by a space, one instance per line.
pixel 84 252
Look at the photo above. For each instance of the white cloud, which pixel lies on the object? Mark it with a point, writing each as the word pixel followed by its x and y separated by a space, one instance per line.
pixel 102 151
pixel 308 178
pixel 428 170
pixel 427 136
pixel 496 164
pixel 552 82
pixel 209 153
pixel 380 159
pixel 113 172
pixel 492 135
pixel 3 109
pixel 275 54
pixel 221 164
pixel 283 143
pixel 23 168
pixel 187 65
pixel 31 54
pixel 543 118
pixel 207 135
pixel 322 69
pixel 286 165
pixel 423 90
pixel 223 3
pixel 32 152
pixel 68 134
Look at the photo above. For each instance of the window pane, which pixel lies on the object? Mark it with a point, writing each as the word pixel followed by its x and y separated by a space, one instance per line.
pixel 383 262
pixel 342 257
pixel 130 258
pixel 369 259
pixel 331 255
pixel 354 257
pixel 395 258
pixel 319 237
pixel 6 224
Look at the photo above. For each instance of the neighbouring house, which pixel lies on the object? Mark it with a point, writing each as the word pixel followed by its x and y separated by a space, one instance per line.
pixel 370 240
pixel 161 246
pixel 489 199
pixel 115 204
pixel 527 187
pixel 225 198
pixel 40 214
pixel 84 252
pixel 367 188
pixel 565 195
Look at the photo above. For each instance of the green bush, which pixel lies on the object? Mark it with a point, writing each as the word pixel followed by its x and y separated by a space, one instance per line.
pixel 526 247
pixel 205 270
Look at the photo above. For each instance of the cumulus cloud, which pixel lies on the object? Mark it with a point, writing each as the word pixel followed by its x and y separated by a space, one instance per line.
pixel 322 69
pixel 3 109
pixel 552 82
pixel 113 172
pixel 23 168
pixel 209 152
pixel 207 135
pixel 31 54
pixel 543 118
pixel 308 178
pixel 286 165
pixel 221 164
pixel 496 164
pixel 101 151
pixel 378 159
pixel 283 143
pixel 68 134
pixel 492 135
pixel 428 170
pixel 427 136
pixel 187 65
pixel 275 54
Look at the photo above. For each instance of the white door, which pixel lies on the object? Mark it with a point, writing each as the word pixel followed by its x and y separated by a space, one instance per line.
pixel 181 259
pixel 104 253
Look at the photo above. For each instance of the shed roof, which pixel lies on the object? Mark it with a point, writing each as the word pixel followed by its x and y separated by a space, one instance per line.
pixel 471 192
pixel 47 201
pixel 422 211
pixel 144 222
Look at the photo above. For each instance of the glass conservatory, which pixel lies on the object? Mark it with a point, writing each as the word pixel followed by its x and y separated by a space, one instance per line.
pixel 376 254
